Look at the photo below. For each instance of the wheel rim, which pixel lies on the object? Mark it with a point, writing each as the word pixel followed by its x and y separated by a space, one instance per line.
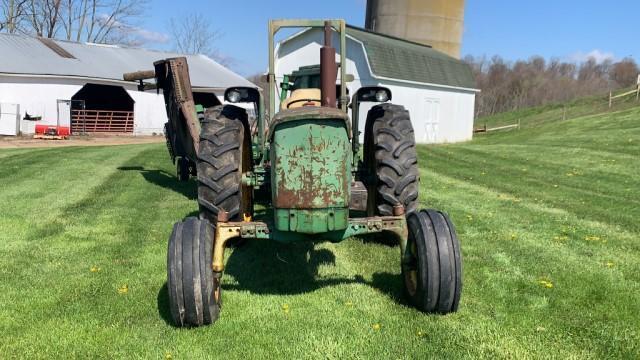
pixel 410 266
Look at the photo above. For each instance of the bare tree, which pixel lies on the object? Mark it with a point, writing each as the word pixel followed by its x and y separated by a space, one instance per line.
pixel 12 15
pixel 625 73
pixel 44 16
pixel 193 34
pixel 102 21
pixel 97 21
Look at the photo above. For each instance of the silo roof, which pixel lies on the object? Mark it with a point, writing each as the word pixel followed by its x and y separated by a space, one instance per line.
pixel 396 58
pixel 28 55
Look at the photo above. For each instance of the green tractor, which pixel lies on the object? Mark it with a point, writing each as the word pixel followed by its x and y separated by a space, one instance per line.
pixel 303 163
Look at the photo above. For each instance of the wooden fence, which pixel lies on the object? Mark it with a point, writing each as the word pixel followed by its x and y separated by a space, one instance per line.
pixel 101 121
pixel 635 92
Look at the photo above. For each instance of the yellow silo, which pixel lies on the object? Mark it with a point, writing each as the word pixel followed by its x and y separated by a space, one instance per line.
pixel 438 23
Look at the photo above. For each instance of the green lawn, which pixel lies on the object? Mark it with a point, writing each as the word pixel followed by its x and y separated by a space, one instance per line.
pixel 548 218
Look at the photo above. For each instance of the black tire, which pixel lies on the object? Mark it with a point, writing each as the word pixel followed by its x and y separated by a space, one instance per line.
pixel 224 154
pixel 432 263
pixel 194 292
pixel 391 160
pixel 182 169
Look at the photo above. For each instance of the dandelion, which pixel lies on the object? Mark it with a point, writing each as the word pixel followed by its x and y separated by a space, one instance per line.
pixel 285 308
pixel 168 356
pixel 123 289
pixel 94 269
pixel 540 329
pixel 469 217
pixel 547 284
pixel 376 326
pixel 349 303
pixel 592 238
pixel 610 264
pixel 514 236
pixel 420 333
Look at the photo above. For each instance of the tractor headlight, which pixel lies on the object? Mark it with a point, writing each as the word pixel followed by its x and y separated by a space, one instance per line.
pixel 234 96
pixel 382 96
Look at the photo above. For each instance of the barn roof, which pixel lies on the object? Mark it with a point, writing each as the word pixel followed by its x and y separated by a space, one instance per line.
pixel 397 58
pixel 29 55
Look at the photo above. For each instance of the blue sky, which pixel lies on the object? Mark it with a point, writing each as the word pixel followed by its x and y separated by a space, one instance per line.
pixel 567 29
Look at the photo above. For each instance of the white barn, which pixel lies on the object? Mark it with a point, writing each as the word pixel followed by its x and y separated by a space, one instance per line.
pixel 438 90
pixel 53 80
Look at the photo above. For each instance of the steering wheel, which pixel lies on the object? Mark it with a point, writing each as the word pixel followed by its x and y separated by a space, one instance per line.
pixel 302 100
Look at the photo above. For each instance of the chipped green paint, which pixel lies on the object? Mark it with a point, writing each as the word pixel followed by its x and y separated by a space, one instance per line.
pixel 311 175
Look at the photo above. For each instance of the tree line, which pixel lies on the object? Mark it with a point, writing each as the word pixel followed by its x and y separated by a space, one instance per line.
pixel 508 86
pixel 96 21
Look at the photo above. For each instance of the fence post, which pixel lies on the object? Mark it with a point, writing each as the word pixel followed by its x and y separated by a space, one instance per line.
pixel 610 99
pixel 638 93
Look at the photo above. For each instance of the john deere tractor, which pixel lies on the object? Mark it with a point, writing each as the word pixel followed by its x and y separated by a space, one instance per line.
pixel 303 163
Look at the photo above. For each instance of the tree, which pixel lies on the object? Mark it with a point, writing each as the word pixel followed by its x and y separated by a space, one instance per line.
pixel 13 13
pixel 193 34
pixel 625 73
pixel 97 21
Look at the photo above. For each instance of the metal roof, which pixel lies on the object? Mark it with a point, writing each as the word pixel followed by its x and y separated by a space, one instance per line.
pixel 27 55
pixel 396 58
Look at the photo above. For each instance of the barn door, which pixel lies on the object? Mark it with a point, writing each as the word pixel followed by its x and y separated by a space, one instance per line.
pixel 9 119
pixel 432 120
pixel 64 113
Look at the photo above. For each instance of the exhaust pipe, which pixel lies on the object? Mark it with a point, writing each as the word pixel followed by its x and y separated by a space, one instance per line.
pixel 328 69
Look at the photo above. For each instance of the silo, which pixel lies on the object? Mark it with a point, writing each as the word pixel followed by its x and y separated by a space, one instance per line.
pixel 438 23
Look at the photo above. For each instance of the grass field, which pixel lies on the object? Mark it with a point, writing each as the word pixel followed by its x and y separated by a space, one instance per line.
pixel 548 218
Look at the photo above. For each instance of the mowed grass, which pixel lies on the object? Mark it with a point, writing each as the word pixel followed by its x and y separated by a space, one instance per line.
pixel 547 217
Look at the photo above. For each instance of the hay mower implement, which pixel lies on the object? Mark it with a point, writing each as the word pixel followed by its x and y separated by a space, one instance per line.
pixel 303 163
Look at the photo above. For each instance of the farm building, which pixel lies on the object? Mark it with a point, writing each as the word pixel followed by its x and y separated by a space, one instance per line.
pixel 437 89
pixel 80 85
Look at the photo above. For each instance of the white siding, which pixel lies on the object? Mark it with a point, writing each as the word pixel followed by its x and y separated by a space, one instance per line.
pixel 454 108
pixel 38 96
pixel 149 112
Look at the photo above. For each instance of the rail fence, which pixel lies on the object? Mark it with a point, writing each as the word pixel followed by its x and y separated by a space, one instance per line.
pixel 101 121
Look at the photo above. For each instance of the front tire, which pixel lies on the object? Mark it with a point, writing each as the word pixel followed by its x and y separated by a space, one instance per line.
pixel 194 291
pixel 432 263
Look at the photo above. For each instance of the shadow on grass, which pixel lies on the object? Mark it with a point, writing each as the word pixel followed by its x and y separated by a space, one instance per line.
pixel 272 268
pixel 165 180
pixel 163 305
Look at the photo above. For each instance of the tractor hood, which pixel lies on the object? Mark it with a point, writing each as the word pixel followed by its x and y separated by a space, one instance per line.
pixel 309 113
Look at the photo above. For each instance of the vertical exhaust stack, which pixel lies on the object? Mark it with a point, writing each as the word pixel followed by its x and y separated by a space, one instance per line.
pixel 328 69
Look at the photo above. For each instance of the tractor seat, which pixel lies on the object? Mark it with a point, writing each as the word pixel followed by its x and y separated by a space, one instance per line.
pixel 302 97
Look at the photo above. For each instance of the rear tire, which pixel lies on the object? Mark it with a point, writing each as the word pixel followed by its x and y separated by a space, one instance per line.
pixel 391 160
pixel 194 292
pixel 432 263
pixel 224 155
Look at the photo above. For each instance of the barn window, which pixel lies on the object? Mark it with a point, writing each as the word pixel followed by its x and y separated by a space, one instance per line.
pixel 102 109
